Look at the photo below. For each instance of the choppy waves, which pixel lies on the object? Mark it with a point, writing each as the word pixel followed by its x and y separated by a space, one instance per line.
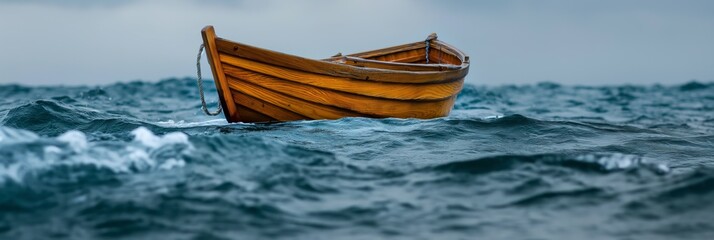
pixel 25 154
pixel 139 161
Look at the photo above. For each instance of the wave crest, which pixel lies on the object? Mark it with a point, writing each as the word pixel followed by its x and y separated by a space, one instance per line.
pixel 28 155
pixel 52 118
pixel 601 162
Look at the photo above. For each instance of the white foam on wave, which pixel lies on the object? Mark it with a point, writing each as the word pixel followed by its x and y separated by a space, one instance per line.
pixel 75 139
pixel 184 124
pixel 145 152
pixel 147 138
pixel 11 172
pixel 483 114
pixel 619 161
pixel 11 135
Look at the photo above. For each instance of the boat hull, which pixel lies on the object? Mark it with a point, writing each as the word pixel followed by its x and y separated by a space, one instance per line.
pixel 259 85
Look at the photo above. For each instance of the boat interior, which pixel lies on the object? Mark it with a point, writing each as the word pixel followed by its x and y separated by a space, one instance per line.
pixel 411 57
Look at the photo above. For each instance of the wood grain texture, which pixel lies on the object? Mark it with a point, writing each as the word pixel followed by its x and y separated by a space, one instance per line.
pixel 361 62
pixel 265 85
pixel 296 105
pixel 270 110
pixel 402 91
pixel 372 54
pixel 348 101
pixel 250 115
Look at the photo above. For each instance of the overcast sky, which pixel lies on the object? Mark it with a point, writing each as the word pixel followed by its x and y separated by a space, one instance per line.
pixel 584 42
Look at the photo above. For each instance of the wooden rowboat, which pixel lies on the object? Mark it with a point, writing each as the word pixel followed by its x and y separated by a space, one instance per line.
pixel 259 85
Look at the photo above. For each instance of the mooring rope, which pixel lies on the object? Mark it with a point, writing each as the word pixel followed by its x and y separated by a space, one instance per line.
pixel 427 49
pixel 200 85
pixel 428 44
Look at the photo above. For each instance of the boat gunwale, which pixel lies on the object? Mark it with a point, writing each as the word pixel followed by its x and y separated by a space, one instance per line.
pixel 344 70
pixel 420 66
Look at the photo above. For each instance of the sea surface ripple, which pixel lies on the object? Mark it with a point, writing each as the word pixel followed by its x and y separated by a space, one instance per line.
pixel 138 160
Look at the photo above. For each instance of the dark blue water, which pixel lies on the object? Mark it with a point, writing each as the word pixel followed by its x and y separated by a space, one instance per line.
pixel 139 161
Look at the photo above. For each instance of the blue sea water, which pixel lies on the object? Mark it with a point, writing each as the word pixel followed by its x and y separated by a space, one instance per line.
pixel 138 160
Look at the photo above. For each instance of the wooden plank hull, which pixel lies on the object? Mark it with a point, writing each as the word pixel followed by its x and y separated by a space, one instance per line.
pixel 259 85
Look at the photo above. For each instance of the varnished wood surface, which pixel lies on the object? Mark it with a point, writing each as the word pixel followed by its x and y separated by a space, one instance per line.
pixel 361 62
pixel 293 104
pixel 271 111
pixel 249 115
pixel 258 85
pixel 401 91
pixel 209 41
pixel 353 102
